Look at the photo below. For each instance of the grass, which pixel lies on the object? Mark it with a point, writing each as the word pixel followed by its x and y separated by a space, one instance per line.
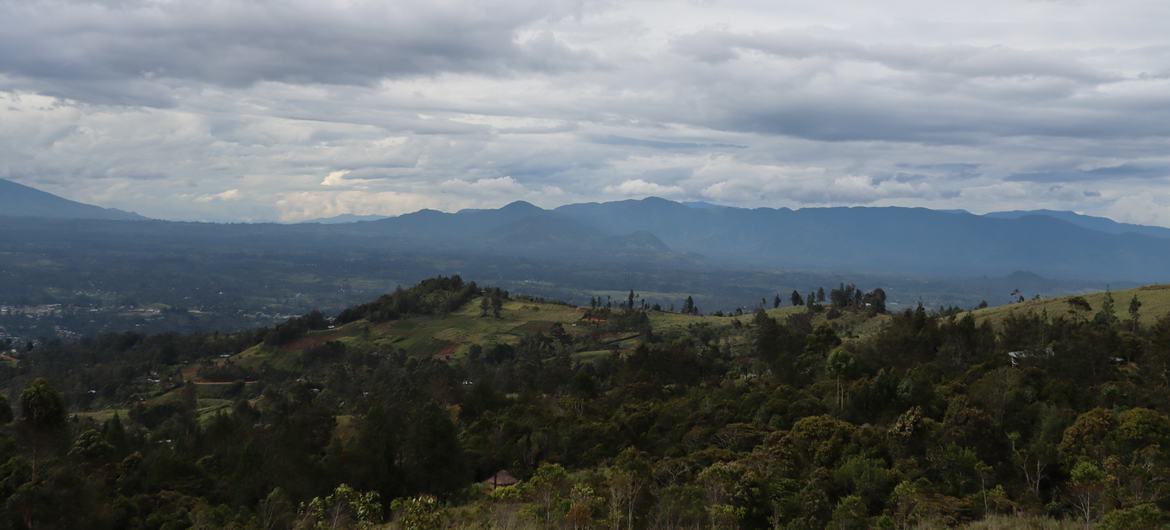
pixel 100 416
pixel 1009 522
pixel 591 357
pixel 445 336
pixel 450 336
pixel 1155 300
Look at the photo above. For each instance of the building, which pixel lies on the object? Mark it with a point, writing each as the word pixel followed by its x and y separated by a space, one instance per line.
pixel 501 479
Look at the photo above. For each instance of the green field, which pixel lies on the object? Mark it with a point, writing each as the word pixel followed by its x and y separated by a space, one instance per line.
pixel 1155 300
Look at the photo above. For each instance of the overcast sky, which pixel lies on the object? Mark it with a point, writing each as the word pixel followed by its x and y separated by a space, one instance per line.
pixel 288 109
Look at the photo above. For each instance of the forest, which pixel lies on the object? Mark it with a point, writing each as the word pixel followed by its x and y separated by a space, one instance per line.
pixel 831 413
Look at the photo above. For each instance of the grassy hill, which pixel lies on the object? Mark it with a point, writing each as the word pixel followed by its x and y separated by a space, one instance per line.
pixel 449 337
pixel 1154 299
pixel 420 392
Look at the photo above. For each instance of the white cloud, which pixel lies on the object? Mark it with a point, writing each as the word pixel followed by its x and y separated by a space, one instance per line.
pixel 335 178
pixel 642 188
pixel 226 195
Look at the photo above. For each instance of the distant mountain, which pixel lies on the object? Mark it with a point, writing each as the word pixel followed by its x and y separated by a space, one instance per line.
pixel 18 200
pixel 519 229
pixel 888 240
pixel 1100 224
pixel 701 204
pixel 344 218
pixel 661 234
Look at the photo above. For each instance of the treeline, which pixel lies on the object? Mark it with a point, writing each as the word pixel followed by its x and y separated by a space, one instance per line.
pixel 434 295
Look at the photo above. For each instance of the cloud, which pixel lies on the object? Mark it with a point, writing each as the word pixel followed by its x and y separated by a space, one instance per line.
pixel 335 178
pixel 311 109
pixel 962 60
pixel 642 188
pixel 1108 173
pixel 226 195
pixel 295 41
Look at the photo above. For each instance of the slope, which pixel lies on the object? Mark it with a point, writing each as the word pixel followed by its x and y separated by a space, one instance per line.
pixel 18 200
pixel 1154 299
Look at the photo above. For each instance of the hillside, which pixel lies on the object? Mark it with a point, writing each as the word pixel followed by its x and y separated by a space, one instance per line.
pixel 402 410
pixel 1154 300
pixel 18 200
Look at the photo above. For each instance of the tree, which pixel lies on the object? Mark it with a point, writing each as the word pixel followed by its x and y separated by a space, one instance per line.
pixel 276 510
pixel 42 418
pixel 582 499
pixel 840 363
pixel 1078 304
pixel 1135 307
pixel 850 514
pixel 545 488
pixel 345 508
pixel 417 513
pixel 484 305
pixel 630 302
pixel 1107 314
pixel 5 411
pixel 776 301
pixel 625 481
pixel 1085 488
pixel 876 300
pixel 720 491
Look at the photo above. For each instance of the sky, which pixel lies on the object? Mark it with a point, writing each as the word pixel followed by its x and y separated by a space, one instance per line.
pixel 285 110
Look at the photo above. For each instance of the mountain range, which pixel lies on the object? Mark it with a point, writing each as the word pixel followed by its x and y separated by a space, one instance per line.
pixel 663 233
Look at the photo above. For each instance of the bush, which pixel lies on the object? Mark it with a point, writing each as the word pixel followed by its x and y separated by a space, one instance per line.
pixel 1136 517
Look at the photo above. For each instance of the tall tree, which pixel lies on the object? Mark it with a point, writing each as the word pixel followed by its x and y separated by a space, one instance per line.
pixel 42 419
pixel 1107 313
pixel 796 299
pixel 1135 307
pixel 5 411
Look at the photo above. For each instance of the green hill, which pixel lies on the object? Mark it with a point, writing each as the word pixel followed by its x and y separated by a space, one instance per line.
pixel 1154 299
pixel 401 411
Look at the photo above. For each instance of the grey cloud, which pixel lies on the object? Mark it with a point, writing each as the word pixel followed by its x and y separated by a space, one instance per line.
pixel 570 100
pixel 969 61
pixel 661 144
pixel 1122 171
pixel 239 43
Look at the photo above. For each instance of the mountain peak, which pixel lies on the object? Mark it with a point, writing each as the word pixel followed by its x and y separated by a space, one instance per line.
pixel 522 206
pixel 18 200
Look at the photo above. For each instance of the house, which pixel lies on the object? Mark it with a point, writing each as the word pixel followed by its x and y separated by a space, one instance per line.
pixel 1019 356
pixel 501 479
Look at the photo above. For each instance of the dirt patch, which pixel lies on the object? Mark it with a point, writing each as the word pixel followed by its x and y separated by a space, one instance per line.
pixel 447 352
